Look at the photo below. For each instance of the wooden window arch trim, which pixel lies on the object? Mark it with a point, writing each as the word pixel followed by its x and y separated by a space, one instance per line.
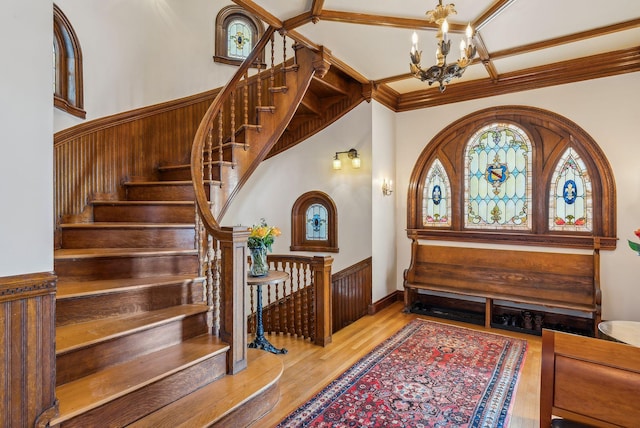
pixel 68 71
pixel 550 136
pixel 225 15
pixel 298 224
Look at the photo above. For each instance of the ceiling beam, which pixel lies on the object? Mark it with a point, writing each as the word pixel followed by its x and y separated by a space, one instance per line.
pixel 571 38
pixel 485 58
pixel 494 10
pixel 297 21
pixel 386 21
pixel 257 10
pixel 316 9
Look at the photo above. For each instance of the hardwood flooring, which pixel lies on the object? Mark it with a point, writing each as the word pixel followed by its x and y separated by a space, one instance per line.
pixel 308 368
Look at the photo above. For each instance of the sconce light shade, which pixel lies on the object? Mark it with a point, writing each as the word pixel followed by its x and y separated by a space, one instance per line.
pixel 352 154
pixel 337 164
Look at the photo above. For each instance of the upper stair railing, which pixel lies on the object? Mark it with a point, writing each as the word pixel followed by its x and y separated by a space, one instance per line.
pixel 240 127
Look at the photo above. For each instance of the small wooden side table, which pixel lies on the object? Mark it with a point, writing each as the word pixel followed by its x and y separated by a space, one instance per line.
pixel 623 331
pixel 273 277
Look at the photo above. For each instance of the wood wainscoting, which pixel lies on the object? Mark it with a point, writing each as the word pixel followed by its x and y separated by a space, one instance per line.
pixel 91 160
pixel 351 288
pixel 27 350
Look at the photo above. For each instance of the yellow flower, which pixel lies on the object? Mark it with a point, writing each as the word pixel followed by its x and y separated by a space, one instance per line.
pixel 262 235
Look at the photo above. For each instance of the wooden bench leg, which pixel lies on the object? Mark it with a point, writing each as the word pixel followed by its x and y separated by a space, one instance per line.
pixel 488 316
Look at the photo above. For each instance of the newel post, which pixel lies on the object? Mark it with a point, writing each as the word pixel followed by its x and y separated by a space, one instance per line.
pixel 323 292
pixel 233 280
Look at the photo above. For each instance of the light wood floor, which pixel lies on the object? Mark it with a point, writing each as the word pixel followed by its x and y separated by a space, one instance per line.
pixel 308 368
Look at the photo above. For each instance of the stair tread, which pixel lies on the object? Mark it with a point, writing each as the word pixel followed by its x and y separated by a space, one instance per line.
pixel 79 335
pixel 126 225
pixel 71 289
pixel 77 253
pixel 211 402
pixel 91 391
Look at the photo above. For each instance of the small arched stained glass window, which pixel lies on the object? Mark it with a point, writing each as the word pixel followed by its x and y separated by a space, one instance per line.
pixel 498 179
pixel 570 202
pixel 237 31
pixel 317 223
pixel 436 200
pixel 240 39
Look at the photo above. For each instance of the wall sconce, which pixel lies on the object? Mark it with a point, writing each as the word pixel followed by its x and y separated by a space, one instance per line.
pixel 352 154
pixel 387 187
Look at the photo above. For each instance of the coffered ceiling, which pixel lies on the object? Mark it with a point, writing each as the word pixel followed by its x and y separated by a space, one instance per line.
pixel 521 43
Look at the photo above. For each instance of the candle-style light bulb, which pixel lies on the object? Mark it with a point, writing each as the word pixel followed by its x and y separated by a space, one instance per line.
pixel 414 41
pixel 463 49
pixel 445 29
pixel 469 33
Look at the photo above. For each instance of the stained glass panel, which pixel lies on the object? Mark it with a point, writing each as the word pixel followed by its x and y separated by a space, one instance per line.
pixel 239 44
pixel 317 222
pixel 436 199
pixel 570 199
pixel 498 179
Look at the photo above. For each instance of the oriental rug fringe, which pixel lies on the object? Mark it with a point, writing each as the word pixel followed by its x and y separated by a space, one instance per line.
pixel 427 374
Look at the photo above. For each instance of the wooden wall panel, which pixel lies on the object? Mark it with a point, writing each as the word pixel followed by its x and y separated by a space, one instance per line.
pixel 351 294
pixel 92 160
pixel 27 349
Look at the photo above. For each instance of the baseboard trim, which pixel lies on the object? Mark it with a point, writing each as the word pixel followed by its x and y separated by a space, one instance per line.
pixel 396 296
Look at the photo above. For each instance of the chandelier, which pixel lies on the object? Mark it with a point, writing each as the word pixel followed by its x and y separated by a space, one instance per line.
pixel 442 72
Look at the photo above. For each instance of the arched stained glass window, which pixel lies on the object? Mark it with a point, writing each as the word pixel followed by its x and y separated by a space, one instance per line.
pixel 519 175
pixel 436 201
pixel 237 31
pixel 314 223
pixel 240 39
pixel 317 219
pixel 570 202
pixel 498 179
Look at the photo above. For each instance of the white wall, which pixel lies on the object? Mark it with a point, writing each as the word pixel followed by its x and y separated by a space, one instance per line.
pixel 276 184
pixel 605 108
pixel 139 53
pixel 26 149
pixel 383 209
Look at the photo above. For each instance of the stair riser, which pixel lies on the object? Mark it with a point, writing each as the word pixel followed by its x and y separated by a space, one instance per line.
pixel 115 237
pixel 126 267
pixel 137 404
pixel 85 361
pixel 184 173
pixel 144 213
pixel 161 192
pixel 81 309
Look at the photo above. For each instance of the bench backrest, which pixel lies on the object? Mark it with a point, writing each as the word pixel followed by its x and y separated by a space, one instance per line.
pixel 555 279
pixel 588 380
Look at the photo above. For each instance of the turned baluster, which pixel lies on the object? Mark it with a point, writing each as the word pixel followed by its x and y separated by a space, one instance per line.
pixel 271 71
pixel 284 58
pixel 216 289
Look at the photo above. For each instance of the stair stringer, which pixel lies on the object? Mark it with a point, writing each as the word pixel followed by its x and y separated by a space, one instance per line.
pixel 261 139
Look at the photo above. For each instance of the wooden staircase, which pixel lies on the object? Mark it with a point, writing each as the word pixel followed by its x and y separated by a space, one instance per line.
pixel 135 335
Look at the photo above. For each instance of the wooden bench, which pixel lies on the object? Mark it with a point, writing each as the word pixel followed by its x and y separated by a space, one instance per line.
pixel 589 381
pixel 552 280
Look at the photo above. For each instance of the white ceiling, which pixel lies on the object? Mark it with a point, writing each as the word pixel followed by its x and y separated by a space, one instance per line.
pixel 378 52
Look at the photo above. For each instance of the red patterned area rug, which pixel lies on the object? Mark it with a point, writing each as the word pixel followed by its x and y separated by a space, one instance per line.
pixel 426 375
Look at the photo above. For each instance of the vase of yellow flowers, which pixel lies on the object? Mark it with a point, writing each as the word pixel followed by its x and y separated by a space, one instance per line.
pixel 261 238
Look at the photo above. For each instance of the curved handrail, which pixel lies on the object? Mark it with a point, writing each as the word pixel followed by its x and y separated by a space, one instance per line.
pixel 202 203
